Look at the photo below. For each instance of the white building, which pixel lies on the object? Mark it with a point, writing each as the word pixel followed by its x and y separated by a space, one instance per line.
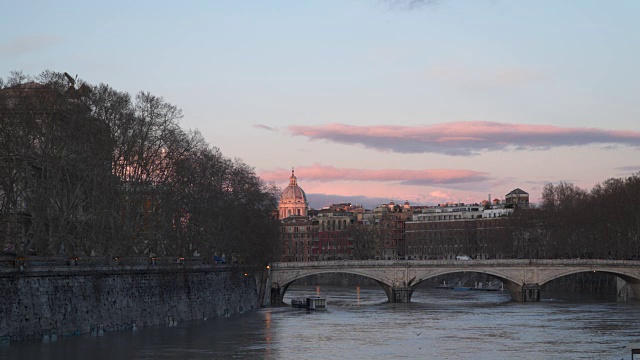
pixel 460 212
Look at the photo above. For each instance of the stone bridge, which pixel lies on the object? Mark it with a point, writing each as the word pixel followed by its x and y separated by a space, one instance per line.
pixel 399 278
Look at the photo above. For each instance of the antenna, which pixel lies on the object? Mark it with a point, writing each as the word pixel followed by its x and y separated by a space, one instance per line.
pixel 72 81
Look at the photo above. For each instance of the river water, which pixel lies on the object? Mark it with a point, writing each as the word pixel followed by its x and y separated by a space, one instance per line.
pixel 360 324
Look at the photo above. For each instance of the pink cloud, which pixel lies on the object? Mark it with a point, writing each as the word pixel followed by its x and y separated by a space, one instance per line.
pixel 464 138
pixel 322 173
pixel 438 194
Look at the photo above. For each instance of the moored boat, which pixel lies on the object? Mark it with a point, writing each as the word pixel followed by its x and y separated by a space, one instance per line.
pixel 309 302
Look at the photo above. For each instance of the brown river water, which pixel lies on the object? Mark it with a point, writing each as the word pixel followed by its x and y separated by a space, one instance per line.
pixel 360 324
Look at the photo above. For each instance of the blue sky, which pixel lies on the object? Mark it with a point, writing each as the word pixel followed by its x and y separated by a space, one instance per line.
pixel 248 73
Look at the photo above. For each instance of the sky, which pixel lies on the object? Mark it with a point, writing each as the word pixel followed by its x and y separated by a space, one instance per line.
pixel 369 100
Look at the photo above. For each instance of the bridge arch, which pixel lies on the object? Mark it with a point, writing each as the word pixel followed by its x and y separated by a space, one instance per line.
pixel 513 285
pixel 630 277
pixel 282 286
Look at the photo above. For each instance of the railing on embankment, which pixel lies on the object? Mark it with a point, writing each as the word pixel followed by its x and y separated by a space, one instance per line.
pixel 9 262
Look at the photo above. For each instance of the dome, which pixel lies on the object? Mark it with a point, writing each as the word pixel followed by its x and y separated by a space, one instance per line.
pixel 293 193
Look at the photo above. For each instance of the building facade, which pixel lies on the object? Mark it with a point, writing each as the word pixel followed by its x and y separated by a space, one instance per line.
pixel 299 237
pixel 517 197
pixel 335 237
pixel 448 231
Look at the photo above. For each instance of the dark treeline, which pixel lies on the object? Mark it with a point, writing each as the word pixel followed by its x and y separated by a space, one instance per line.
pixel 572 222
pixel 89 170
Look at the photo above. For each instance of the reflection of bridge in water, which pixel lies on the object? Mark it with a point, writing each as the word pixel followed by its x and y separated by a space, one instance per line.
pixel 399 278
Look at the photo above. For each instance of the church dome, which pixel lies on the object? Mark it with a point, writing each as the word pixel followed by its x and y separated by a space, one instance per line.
pixel 293 193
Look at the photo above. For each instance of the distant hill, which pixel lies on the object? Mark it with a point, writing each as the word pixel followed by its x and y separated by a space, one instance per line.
pixel 318 201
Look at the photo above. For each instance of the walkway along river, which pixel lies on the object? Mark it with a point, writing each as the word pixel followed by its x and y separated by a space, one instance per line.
pixel 361 324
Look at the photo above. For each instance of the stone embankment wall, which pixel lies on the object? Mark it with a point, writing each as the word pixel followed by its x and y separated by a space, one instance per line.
pixel 45 302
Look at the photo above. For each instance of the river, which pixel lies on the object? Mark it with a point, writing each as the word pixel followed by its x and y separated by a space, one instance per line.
pixel 360 324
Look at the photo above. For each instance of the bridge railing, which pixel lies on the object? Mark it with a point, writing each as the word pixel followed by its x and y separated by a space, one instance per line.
pixel 12 263
pixel 458 263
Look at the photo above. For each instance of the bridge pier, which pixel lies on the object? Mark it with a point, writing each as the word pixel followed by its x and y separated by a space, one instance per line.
pixel 636 291
pixel 401 294
pixel 530 293
pixel 397 294
pixel 627 290
pixel 523 293
pixel 276 295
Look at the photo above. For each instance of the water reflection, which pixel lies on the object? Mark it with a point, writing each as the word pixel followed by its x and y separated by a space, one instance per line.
pixel 267 335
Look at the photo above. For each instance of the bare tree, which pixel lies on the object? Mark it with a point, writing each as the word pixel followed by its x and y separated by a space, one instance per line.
pixel 88 170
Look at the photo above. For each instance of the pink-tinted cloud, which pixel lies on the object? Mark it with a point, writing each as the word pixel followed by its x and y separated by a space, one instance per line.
pixel 322 173
pixel 465 138
pixel 438 194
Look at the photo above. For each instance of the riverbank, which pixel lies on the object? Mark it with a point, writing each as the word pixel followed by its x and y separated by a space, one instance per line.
pixel 50 302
